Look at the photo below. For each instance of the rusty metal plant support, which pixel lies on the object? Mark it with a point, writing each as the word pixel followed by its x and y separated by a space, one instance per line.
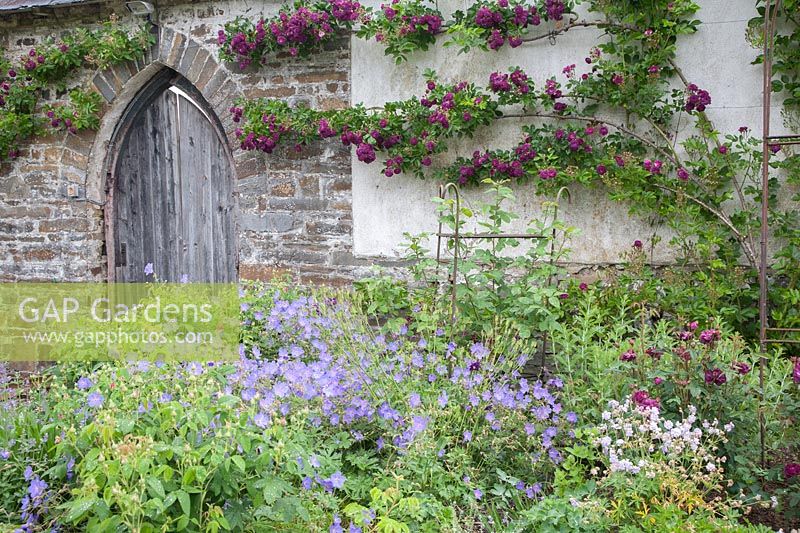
pixel 770 18
pixel 457 236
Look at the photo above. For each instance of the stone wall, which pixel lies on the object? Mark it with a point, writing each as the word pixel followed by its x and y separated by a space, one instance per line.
pixel 294 209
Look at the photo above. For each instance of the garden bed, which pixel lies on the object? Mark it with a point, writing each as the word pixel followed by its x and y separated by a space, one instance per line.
pixel 326 423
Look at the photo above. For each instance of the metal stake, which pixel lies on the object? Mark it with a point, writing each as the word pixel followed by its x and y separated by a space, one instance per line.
pixel 770 22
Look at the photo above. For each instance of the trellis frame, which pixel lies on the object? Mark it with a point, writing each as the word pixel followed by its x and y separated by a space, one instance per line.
pixel 770 19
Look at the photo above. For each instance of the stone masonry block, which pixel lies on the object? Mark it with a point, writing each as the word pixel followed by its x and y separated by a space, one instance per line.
pixel 165 43
pixel 198 63
pixel 175 53
pixel 188 56
pixel 271 222
pixel 106 90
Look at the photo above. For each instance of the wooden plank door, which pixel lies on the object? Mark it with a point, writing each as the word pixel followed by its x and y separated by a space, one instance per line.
pixel 173 195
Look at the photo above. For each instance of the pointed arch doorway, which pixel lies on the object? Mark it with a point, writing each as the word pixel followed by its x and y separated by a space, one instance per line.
pixel 170 188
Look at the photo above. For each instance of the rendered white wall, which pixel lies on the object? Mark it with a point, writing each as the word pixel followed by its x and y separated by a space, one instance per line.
pixel 717 58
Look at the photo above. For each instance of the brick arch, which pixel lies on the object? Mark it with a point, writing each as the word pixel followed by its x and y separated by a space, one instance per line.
pixel 119 86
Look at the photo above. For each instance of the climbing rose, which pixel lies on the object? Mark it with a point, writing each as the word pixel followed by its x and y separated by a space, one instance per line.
pixel 496 40
pixel 486 18
pixel 365 153
pixel 696 99
pixel 520 79
pixel 499 82
pixel 548 173
pixel 325 129
pixel 654 166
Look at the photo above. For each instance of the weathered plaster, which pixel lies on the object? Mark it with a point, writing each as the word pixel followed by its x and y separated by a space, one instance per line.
pixel 717 58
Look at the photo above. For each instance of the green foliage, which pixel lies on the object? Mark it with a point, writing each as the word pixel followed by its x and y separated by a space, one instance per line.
pixel 391 511
pixel 221 447
pixel 400 38
pixel 786 55
pixel 496 288
pixel 246 445
pixel 608 347
pixel 401 128
pixel 402 27
pixel 640 472
pixel 49 68
pixel 100 49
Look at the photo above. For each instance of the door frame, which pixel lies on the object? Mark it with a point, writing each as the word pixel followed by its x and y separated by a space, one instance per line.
pixel 157 84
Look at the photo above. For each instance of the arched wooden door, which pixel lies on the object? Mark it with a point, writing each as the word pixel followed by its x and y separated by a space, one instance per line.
pixel 172 189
